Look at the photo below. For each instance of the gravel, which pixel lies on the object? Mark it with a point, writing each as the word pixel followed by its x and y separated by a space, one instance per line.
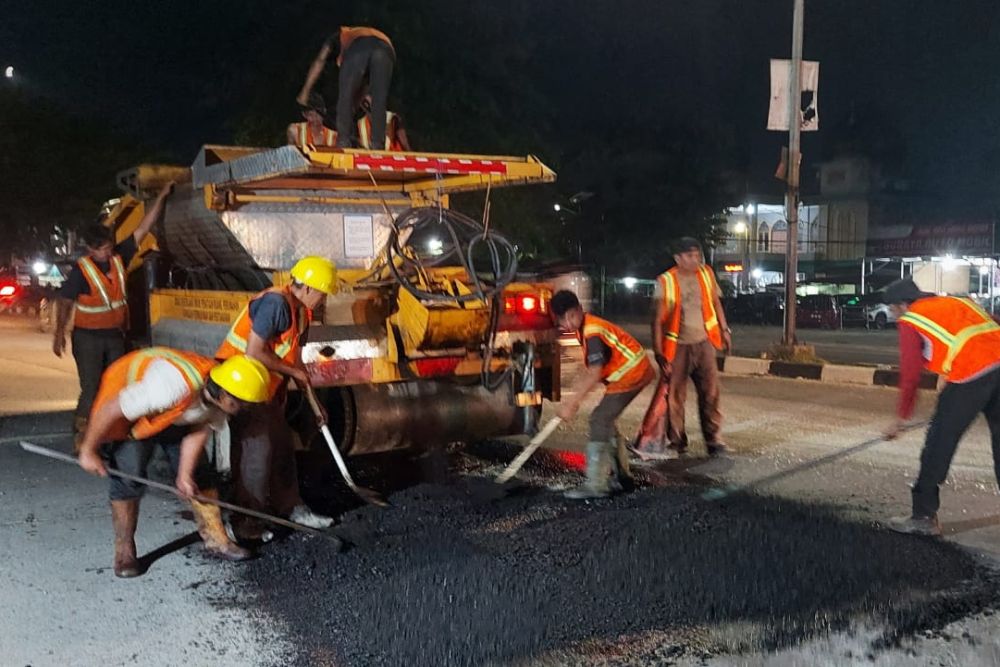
pixel 446 577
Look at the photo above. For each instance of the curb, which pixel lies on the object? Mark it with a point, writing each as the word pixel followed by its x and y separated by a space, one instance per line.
pixel 859 375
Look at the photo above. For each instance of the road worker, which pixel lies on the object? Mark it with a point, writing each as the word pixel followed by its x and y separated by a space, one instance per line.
pixel 272 329
pixel 955 338
pixel 174 399
pixel 689 325
pixel 613 358
pixel 365 56
pixel 95 288
pixel 396 138
pixel 312 132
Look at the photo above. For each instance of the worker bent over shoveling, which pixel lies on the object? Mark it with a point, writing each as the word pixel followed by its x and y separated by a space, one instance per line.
pixel 614 358
pixel 955 338
pixel 161 396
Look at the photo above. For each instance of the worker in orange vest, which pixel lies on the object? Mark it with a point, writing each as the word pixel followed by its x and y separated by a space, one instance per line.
pixel 396 138
pixel 174 399
pixel 613 358
pixel 95 288
pixel 955 338
pixel 363 55
pixel 688 327
pixel 271 329
pixel 312 132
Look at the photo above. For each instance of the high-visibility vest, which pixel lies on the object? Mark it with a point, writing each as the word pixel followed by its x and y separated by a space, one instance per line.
pixel 104 306
pixel 964 339
pixel 671 287
pixel 131 368
pixel 629 367
pixel 287 346
pixel 349 34
pixel 304 136
pixel 365 133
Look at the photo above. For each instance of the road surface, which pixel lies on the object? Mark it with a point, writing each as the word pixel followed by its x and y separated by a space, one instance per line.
pixel 795 572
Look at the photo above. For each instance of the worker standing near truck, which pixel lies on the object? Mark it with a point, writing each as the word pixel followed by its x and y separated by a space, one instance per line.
pixel 689 325
pixel 955 338
pixel 365 56
pixel 174 399
pixel 271 329
pixel 95 288
pixel 613 358
pixel 312 131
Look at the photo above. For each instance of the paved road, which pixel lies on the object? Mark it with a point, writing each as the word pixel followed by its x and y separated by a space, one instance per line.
pixel 63 606
pixel 33 379
pixel 848 346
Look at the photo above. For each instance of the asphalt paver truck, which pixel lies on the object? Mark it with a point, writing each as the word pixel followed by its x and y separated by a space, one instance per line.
pixel 430 338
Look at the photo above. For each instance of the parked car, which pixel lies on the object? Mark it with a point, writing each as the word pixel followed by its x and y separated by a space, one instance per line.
pixel 818 311
pixel 880 316
pixel 759 308
pixel 853 311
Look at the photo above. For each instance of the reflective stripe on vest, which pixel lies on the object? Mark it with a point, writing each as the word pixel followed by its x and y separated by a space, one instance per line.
pixel 305 138
pixel 669 284
pixel 365 131
pixel 953 342
pixel 632 358
pixel 191 373
pixel 96 280
pixel 672 308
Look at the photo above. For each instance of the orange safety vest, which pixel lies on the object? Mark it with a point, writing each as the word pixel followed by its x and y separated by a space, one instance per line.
pixel 304 136
pixel 964 339
pixel 104 306
pixel 392 143
pixel 131 368
pixel 629 367
pixel 349 34
pixel 671 287
pixel 287 346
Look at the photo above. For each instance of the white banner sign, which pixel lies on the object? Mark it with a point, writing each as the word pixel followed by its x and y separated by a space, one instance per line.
pixel 359 239
pixel 781 87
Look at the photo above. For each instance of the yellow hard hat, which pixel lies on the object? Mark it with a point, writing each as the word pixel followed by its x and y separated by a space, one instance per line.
pixel 316 272
pixel 244 378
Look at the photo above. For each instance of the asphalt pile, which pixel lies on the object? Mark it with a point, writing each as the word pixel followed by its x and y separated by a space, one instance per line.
pixel 446 578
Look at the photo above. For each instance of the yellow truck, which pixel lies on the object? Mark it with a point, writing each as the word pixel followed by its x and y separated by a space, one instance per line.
pixel 430 339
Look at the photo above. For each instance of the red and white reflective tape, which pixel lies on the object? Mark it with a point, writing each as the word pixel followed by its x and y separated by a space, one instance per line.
pixel 428 165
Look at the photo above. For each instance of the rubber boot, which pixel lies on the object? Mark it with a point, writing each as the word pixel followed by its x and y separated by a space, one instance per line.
pixel 598 473
pixel 124 518
pixel 213 533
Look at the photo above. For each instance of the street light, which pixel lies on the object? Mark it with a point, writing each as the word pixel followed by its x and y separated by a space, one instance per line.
pixel 9 72
pixel 743 230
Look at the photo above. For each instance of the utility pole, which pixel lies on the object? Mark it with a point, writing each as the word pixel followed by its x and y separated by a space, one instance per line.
pixel 794 156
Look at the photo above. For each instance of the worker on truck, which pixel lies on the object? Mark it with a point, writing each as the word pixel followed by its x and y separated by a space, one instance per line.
pixel 613 358
pixel 174 399
pixel 689 325
pixel 396 138
pixel 95 287
pixel 363 55
pixel 953 337
pixel 312 132
pixel 271 329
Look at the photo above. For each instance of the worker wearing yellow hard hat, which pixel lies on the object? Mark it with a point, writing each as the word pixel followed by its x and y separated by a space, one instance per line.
pixel 174 399
pixel 271 329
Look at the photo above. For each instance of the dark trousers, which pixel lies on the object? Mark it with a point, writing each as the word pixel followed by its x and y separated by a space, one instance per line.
pixel 698 363
pixel 93 352
pixel 604 416
pixel 133 457
pixel 957 407
pixel 263 459
pixel 365 56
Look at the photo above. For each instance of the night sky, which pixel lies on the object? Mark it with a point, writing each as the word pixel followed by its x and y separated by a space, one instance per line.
pixel 913 81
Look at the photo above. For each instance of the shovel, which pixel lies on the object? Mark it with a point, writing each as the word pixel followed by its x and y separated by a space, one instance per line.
pixel 530 449
pixel 66 458
pixel 370 496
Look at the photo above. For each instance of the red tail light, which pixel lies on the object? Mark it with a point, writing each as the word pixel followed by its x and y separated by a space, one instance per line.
pixel 8 290
pixel 528 304
pixel 524 304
